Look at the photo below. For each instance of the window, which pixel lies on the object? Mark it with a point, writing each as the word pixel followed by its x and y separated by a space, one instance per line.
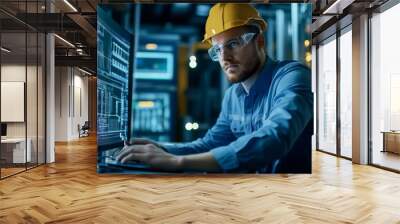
pixel 22 74
pixel 345 92
pixel 385 88
pixel 327 96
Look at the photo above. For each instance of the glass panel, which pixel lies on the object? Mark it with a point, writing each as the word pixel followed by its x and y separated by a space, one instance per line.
pixel 345 94
pixel 385 84
pixel 41 99
pixel 22 77
pixel 32 87
pixel 327 96
pixel 41 90
pixel 13 85
pixel 31 98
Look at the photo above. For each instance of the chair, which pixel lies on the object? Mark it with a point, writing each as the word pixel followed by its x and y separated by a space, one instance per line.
pixel 84 130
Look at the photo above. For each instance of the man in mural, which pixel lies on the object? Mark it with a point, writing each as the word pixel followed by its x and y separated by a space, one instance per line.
pixel 265 123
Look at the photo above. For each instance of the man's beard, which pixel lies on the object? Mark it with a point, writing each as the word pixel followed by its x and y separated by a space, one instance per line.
pixel 245 74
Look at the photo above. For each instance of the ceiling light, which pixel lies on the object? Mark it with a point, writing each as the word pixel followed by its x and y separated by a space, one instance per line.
pixel 65 41
pixel 70 5
pixel 329 9
pixel 337 7
pixel 84 71
pixel 5 50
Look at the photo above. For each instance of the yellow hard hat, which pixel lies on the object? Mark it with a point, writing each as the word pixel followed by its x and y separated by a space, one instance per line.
pixel 225 16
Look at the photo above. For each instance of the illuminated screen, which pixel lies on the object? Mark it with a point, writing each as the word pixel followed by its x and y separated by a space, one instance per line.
pixel 152 116
pixel 113 45
pixel 154 65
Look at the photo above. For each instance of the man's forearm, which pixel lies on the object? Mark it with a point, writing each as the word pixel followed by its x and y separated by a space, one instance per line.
pixel 199 162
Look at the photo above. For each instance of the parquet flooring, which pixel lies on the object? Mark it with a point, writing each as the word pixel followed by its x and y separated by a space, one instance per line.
pixel 10 171
pixel 70 191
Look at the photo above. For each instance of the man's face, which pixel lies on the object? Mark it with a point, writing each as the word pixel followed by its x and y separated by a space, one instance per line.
pixel 241 63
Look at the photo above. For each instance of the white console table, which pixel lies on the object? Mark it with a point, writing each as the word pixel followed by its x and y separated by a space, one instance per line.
pixel 16 147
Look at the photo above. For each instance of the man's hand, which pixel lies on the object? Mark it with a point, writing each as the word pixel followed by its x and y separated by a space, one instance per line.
pixel 144 141
pixel 149 152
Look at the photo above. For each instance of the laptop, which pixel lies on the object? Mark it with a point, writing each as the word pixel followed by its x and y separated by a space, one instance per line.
pixel 107 162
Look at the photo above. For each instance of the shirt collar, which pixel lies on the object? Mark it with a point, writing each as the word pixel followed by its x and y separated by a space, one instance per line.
pixel 260 82
pixel 248 83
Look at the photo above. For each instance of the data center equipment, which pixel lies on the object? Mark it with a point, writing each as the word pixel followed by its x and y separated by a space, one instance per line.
pixel 152 115
pixel 154 106
pixel 154 65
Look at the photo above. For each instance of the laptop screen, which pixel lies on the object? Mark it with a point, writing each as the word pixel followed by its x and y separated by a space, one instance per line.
pixel 114 76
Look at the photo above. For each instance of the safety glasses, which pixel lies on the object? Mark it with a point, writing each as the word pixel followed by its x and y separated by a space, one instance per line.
pixel 231 45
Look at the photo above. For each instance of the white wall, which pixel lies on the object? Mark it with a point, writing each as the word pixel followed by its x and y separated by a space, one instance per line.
pixel 71 94
pixel 80 102
pixel 61 104
pixel 13 72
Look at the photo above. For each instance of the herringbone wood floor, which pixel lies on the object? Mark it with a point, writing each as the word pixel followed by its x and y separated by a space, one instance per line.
pixel 70 191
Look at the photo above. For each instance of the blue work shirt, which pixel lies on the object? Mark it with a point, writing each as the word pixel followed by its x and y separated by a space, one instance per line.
pixel 255 131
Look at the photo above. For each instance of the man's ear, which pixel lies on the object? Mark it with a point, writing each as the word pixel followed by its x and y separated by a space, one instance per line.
pixel 260 41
